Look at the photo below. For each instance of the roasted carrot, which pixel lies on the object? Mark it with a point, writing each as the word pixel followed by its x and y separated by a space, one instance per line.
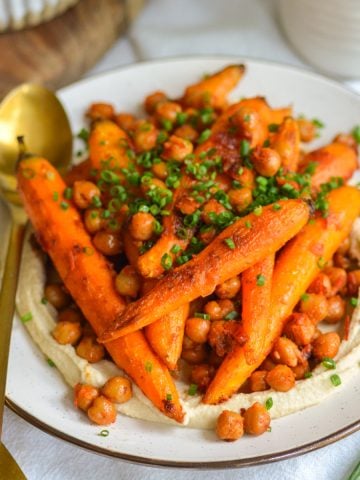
pixel 233 251
pixel 277 115
pixel 239 363
pixel 296 267
pixel 213 90
pixel 286 142
pixel 89 279
pixel 333 160
pixel 109 146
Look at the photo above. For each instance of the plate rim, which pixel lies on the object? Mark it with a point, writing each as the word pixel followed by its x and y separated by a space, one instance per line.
pixel 221 464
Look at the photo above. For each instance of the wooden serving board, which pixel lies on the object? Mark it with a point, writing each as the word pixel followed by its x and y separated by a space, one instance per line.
pixel 60 51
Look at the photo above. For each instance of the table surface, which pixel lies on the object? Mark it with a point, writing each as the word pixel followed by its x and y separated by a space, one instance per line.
pixel 237 27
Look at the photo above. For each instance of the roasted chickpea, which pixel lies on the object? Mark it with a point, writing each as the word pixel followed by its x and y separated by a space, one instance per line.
pixel 300 370
pixel 315 306
pixel 100 111
pixel 221 336
pixel 176 148
pixel 188 132
pixel 346 139
pixel 128 282
pixel 126 121
pixel 281 378
pixel 188 344
pixel 211 207
pixel 336 309
pixel 149 183
pixel 195 355
pixel 90 349
pixel 240 198
pixel 142 226
pixel 213 309
pixel 93 220
pixel 84 192
pixel 197 329
pixel 167 111
pixel 285 351
pixel 245 176
pixel 160 170
pixel 117 389
pixel 145 136
pixel 187 204
pixel 256 419
pixel 300 329
pixel 56 294
pixel 266 161
pixel 267 364
pixel 207 234
pixel 326 345
pixel 257 381
pixel 353 282
pixel 153 100
pixel 226 306
pixel 341 261
pixel 202 375
pixel 307 129
pixel 102 411
pixel 70 315
pixel 229 426
pixel 321 285
pixel 67 333
pixel 228 289
pixel 84 395
pixel 107 243
pixel 337 277
pixel 222 182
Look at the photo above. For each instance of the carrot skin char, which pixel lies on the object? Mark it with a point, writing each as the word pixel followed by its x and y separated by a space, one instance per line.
pixel 89 279
pixel 215 264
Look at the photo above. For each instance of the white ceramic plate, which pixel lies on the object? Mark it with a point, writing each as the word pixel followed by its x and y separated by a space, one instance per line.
pixel 38 393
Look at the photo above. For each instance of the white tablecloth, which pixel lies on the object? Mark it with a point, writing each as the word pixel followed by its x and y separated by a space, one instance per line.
pixel 169 28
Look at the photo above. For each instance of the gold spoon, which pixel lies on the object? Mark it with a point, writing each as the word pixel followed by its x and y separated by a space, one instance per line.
pixel 35 113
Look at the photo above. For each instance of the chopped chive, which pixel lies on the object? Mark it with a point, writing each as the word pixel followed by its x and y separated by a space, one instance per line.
pixel 260 280
pixel 26 317
pixel 168 397
pixel 276 207
pixel 104 433
pixel 328 363
pixel 230 243
pixel 308 374
pixel 148 366
pixel 192 389
pixel 88 251
pixel 50 362
pixel 204 316
pixel 318 123
pixel 273 127
pixel 356 134
pixel 166 123
pixel 55 196
pixel 335 380
pixel 96 202
pixel 64 205
pixel 321 262
pixel 175 249
pixel 258 210
pixel 181 118
pixel 44 301
pixel 84 135
pixel 68 193
pixel 248 224
pixel 231 315
pixel 166 261
pixel 205 134
pixel 244 148
pixel 304 297
pixel 354 301
pixel 269 403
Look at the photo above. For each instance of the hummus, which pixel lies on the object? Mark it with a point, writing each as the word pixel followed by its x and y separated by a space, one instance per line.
pixel 198 415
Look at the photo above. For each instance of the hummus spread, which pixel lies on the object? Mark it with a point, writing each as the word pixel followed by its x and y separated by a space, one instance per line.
pixel 198 415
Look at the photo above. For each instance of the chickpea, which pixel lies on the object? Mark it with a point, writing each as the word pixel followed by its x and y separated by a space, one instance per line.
pixel 338 278
pixel 281 378
pixel 126 121
pixel 257 381
pixel 229 288
pixel 326 345
pixel 266 161
pixel 341 261
pixel 84 192
pixel 212 206
pixel 207 235
pixel 188 132
pixel 145 136
pixel 221 336
pixel 188 344
pixel 152 183
pixel 90 350
pixel 117 389
pixel 353 282
pixel 187 205
pixel 167 111
pixel 197 329
pixel 100 111
pixel 213 309
pixel 346 139
pixel 128 282
pixel 142 226
pixel 84 395
pixel 195 355
pixel 307 129
pixel 153 100
pixel 202 375
pixel 300 370
pixel 70 315
pixel 286 352
pixel 214 359
pixel 160 170
pixel 57 295
pixel 256 419
pixel 93 220
pixel 67 333
pixel 267 364
pixel 245 176
pixel 107 243
pixel 223 182
pixel 300 329
pixel 226 306
pixel 229 426
pixel 315 306
pixel 321 285
pixel 240 198
pixel 102 411
pixel 176 148
pixel 344 247
pixel 336 309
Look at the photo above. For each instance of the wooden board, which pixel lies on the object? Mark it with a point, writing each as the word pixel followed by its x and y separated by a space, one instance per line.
pixel 60 51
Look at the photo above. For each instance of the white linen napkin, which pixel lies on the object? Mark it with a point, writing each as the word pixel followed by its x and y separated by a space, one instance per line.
pixel 170 28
